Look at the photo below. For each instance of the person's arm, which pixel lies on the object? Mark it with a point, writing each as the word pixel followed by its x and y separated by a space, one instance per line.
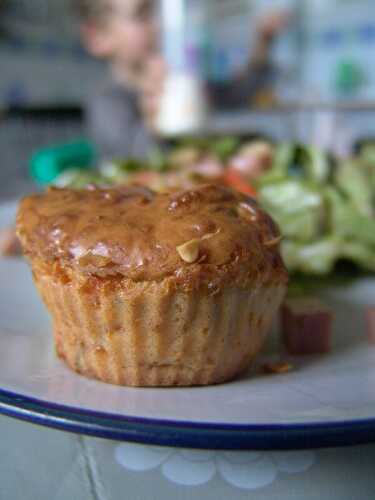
pixel 258 72
pixel 268 29
pixel 240 91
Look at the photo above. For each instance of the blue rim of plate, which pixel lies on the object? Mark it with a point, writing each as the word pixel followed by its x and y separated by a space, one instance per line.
pixel 187 434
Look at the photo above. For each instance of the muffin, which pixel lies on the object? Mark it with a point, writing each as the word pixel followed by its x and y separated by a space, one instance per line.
pixel 146 289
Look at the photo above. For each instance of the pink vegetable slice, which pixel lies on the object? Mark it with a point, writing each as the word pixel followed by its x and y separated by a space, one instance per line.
pixel 306 326
pixel 9 243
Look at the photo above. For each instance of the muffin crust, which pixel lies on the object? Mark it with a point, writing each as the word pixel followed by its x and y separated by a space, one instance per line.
pixel 136 234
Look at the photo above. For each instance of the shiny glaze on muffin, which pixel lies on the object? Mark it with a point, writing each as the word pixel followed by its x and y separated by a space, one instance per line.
pixel 205 236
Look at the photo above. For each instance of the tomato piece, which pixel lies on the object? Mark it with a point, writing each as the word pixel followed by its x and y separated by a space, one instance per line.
pixel 236 181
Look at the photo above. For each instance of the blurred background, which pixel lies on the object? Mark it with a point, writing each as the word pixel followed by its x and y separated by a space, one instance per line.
pixel 320 88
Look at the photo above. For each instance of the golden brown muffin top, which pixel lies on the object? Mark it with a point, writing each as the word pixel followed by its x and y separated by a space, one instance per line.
pixel 205 234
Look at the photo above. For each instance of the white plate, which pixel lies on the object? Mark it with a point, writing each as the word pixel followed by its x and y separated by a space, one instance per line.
pixel 325 400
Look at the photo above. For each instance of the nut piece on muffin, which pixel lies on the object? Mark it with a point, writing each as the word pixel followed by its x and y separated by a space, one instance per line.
pixel 146 289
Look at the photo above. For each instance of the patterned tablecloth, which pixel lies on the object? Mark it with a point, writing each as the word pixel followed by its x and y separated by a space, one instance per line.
pixel 44 464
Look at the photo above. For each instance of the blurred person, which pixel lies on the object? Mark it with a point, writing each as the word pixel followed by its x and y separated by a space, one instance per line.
pixel 121 114
pixel 123 33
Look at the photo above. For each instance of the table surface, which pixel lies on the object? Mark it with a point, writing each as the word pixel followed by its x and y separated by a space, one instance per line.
pixel 44 464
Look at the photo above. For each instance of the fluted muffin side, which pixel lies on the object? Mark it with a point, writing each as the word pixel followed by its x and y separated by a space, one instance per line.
pixel 152 334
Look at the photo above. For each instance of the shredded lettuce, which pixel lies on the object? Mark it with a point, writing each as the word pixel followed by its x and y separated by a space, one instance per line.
pixel 353 180
pixel 78 179
pixel 317 257
pixel 325 212
pixel 297 208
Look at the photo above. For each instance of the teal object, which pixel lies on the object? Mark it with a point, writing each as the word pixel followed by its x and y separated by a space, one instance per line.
pixel 349 77
pixel 47 164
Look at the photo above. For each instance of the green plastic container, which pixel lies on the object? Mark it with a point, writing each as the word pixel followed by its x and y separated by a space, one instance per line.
pixel 47 164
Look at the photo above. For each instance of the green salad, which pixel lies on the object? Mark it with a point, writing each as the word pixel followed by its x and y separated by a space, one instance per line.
pixel 325 207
